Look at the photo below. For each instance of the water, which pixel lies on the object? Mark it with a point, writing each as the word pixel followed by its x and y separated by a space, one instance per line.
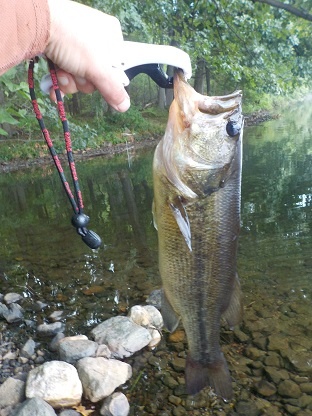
pixel 42 257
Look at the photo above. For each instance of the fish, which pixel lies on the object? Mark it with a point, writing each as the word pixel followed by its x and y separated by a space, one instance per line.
pixel 196 210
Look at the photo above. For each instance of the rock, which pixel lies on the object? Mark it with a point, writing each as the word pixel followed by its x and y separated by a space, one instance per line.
pixel 277 343
pixel 156 338
pixel 70 412
pixel 155 298
pixel 289 388
pixel 53 346
pixel 50 329
pixel 14 313
pixel 39 306
pixel 56 382
pixel 115 405
pixel 147 316
pixel 12 298
pixel 276 375
pixel 100 376
pixel 4 310
pixel 12 392
pixel 245 408
pixel 178 364
pixel 122 336
pixel 28 349
pixel 72 349
pixel 240 335
pixel 103 351
pixel 265 388
pixel 56 316
pixel 254 353
pixel 35 407
pixel 299 361
pixel 273 359
pixel 306 388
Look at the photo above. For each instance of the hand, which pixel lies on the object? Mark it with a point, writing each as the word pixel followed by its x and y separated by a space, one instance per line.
pixel 84 43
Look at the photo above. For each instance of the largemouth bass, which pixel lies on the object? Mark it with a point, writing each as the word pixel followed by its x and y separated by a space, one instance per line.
pixel 196 209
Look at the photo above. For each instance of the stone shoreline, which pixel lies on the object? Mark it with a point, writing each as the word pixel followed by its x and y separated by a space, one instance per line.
pixel 268 355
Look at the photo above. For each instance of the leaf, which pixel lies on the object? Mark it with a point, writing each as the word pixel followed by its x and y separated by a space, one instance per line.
pixel 82 410
pixel 5 117
pixel 3 132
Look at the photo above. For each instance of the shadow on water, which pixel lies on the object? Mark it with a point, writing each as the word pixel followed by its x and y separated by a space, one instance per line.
pixel 43 257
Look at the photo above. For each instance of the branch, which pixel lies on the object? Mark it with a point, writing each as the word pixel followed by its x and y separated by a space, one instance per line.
pixel 288 7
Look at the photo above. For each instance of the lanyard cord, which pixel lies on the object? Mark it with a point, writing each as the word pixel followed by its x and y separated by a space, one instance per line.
pixel 79 219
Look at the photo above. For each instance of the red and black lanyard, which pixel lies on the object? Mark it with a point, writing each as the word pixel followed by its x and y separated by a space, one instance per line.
pixel 79 219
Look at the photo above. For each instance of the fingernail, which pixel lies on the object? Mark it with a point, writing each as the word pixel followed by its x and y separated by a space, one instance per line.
pixel 124 106
pixel 63 81
pixel 80 80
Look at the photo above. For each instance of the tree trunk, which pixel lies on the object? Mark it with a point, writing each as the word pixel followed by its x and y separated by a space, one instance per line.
pixel 200 73
pixel 161 98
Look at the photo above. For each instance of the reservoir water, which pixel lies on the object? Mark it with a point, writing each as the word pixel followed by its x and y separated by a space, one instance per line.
pixel 43 258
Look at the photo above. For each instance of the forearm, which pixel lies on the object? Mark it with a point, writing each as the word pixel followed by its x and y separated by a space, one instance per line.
pixel 24 30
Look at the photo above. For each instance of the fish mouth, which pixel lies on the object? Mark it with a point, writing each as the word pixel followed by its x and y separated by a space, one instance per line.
pixel 213 105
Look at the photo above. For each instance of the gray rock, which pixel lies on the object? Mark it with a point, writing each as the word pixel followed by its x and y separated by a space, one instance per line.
pixel 122 336
pixel 56 382
pixel 100 377
pixel 289 388
pixel 155 298
pixel 4 310
pixel 69 412
pixel 12 298
pixel 115 405
pixel 53 346
pixel 56 316
pixel 35 407
pixel 14 313
pixel 12 392
pixel 72 349
pixel 39 306
pixel 50 329
pixel 28 349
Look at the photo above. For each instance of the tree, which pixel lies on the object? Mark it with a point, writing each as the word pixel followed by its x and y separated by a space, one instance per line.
pixel 288 7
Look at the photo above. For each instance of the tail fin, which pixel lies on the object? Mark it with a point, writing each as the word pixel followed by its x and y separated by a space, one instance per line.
pixel 215 375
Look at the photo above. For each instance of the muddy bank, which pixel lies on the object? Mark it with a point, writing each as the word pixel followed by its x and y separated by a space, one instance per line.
pixel 108 149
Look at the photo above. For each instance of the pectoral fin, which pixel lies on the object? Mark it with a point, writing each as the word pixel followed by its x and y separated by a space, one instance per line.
pixel 181 217
pixel 234 312
pixel 170 317
pixel 154 215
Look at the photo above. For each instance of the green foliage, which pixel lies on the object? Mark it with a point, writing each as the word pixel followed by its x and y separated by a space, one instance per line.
pixel 244 44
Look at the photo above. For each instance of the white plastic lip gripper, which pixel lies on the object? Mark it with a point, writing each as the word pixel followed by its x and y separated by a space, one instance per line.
pixel 135 57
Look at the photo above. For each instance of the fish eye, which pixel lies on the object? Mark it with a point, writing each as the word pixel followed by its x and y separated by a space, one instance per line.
pixel 233 129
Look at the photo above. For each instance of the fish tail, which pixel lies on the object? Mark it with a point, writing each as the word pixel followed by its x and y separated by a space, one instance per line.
pixel 216 375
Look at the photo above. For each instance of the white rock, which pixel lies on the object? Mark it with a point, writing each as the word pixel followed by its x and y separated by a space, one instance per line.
pixel 56 382
pixel 147 316
pixel 122 336
pixel 12 298
pixel 100 376
pixel 115 405
pixel 156 338
pixel 103 351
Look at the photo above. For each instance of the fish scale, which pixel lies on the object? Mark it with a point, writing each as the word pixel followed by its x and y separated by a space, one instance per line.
pixel 197 174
